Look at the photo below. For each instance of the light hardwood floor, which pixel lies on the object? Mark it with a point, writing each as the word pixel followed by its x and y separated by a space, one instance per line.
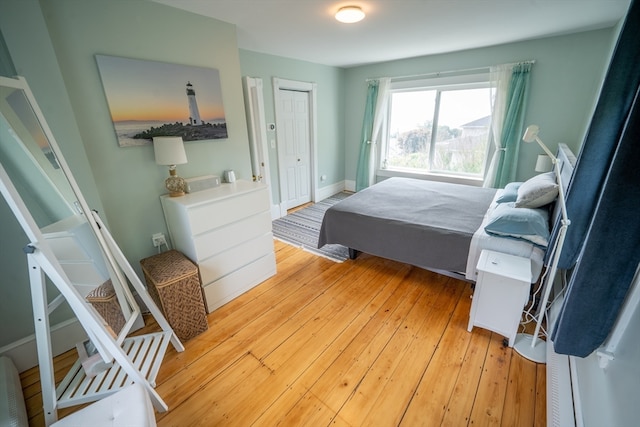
pixel 368 342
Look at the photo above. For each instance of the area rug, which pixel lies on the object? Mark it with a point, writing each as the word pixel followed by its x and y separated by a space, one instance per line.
pixel 302 229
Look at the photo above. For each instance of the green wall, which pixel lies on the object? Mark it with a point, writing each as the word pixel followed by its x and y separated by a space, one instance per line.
pixel 330 84
pixel 565 82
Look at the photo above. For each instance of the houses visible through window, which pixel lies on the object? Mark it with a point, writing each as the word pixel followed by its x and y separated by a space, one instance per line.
pixel 438 127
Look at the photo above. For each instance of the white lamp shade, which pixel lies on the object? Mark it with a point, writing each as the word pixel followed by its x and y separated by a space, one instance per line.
pixel 169 150
pixel 544 163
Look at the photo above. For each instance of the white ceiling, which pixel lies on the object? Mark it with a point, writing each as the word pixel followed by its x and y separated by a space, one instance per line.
pixel 393 29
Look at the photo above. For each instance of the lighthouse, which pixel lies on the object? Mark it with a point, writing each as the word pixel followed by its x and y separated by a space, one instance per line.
pixel 194 114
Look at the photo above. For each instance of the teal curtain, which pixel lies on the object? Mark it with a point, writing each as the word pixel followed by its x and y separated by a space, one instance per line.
pixel 362 174
pixel 517 97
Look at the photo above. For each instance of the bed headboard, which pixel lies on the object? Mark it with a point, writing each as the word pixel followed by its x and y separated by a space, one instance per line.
pixel 567 162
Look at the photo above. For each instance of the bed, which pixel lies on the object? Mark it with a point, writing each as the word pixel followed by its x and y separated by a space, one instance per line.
pixel 433 225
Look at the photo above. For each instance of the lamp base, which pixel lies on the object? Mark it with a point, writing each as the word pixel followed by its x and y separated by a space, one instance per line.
pixel 176 186
pixel 537 353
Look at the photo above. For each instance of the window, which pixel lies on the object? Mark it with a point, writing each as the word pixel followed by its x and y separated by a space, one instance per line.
pixel 439 126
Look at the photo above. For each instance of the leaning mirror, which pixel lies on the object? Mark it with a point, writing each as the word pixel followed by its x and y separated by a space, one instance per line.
pixel 72 248
pixel 32 165
pixel 29 160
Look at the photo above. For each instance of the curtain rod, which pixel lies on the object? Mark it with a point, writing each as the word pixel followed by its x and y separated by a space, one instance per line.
pixel 441 73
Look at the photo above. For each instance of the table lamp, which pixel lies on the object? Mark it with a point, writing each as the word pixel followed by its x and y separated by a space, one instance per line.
pixel 169 151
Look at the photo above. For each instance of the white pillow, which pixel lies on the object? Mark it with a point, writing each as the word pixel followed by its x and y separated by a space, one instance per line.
pixel 538 191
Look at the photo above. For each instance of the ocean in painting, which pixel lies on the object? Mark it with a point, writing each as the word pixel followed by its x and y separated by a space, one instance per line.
pixel 126 130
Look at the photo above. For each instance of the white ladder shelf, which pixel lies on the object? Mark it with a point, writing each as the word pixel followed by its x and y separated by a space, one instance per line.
pixel 145 351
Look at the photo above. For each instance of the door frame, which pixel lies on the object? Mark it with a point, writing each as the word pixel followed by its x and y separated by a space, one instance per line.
pixel 257 127
pixel 311 89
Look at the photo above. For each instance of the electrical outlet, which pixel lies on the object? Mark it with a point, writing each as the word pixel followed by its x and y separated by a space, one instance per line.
pixel 158 240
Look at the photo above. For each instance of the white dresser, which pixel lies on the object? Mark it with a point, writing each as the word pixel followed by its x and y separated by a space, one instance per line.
pixel 226 231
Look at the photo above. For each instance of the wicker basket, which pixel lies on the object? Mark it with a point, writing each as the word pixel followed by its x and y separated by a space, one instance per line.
pixel 174 284
pixel 104 300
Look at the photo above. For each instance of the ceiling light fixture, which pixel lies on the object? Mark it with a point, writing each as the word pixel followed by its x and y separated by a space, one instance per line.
pixel 349 14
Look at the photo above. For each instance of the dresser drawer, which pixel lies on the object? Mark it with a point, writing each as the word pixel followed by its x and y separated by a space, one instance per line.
pixel 219 239
pixel 234 258
pixel 228 287
pixel 216 214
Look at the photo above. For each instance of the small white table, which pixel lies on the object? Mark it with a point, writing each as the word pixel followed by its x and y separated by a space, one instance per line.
pixel 501 292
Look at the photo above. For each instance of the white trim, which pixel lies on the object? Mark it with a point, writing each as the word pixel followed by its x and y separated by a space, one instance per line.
pixel 64 337
pixel 350 185
pixel 330 190
pixel 469 81
pixel 312 90
pixel 454 179
pixel 259 145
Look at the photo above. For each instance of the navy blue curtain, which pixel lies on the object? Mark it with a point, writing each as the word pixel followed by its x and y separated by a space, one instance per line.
pixel 603 204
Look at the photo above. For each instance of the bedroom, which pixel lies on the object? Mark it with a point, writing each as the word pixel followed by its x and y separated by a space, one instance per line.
pixel 124 183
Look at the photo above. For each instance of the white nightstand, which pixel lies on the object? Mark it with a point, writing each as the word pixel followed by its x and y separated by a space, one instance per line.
pixel 501 292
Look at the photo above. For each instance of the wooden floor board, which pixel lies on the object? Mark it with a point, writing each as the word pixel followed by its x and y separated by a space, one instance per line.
pixel 490 397
pixel 364 342
pixel 429 403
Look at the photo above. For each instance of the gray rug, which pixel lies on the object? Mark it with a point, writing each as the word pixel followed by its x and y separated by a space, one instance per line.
pixel 302 228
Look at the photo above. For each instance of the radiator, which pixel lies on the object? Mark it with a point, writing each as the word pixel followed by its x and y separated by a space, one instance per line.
pixel 560 398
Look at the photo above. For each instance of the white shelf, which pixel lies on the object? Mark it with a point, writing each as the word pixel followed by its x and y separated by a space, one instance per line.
pixel 146 353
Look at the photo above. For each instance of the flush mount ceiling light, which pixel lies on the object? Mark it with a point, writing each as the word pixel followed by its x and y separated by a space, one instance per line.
pixel 349 14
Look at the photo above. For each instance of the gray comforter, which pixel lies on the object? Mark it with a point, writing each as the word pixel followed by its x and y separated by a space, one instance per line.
pixel 423 223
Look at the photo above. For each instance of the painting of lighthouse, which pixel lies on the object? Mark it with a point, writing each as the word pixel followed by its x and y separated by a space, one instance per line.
pixel 149 98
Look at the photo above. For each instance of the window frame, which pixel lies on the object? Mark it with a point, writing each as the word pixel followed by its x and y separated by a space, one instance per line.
pixel 440 84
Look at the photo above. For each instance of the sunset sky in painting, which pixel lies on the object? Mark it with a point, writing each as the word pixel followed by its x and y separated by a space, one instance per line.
pixel 156 91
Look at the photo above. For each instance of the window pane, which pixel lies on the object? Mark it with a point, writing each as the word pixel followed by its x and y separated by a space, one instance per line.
pixel 410 125
pixel 463 129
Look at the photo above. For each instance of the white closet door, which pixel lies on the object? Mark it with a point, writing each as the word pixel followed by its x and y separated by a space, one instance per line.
pixel 296 170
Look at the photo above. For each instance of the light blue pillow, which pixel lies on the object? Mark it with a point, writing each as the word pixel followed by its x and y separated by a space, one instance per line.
pixel 520 223
pixel 509 193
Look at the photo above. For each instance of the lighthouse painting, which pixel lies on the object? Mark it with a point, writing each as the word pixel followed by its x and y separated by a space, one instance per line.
pixel 149 98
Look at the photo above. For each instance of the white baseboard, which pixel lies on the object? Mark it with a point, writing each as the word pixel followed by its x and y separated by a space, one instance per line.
pixel 64 336
pixel 275 212
pixel 329 190
pixel 278 211
pixel 350 185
